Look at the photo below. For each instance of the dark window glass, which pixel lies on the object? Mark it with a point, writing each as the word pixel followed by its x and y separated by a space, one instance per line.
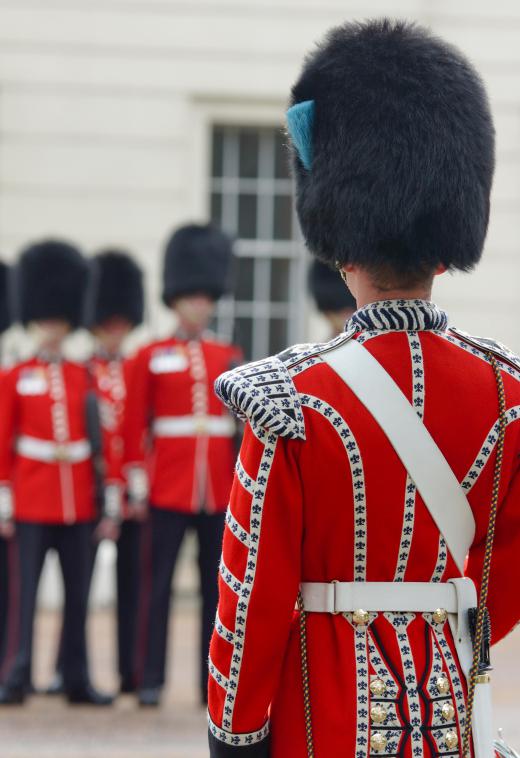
pixel 247 216
pixel 217 156
pixel 280 273
pixel 282 217
pixel 277 335
pixel 245 279
pixel 248 153
pixel 243 336
pixel 216 208
pixel 281 155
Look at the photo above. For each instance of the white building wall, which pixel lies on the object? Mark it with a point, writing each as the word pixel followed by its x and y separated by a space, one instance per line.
pixel 105 107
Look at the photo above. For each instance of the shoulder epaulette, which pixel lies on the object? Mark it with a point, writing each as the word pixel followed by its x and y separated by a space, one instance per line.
pixel 263 393
pixel 487 345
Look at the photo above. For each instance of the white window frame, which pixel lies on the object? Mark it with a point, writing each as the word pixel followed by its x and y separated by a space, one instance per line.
pixel 204 115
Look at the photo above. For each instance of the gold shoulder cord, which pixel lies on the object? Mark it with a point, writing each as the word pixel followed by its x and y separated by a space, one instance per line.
pixel 481 613
pixel 305 678
pixel 484 587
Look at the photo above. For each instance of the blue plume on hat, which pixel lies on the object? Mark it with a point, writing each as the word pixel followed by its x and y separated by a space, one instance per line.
pixel 300 121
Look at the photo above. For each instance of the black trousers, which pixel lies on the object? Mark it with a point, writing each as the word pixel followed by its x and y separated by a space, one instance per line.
pixel 5 549
pixel 166 530
pixel 127 586
pixel 128 579
pixel 73 544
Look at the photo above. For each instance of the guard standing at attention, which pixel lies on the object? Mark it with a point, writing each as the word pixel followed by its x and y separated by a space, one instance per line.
pixel 46 471
pixel 114 307
pixel 379 486
pixel 192 439
pixel 7 549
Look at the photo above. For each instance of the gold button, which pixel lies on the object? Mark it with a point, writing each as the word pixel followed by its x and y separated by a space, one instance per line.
pixel 378 714
pixel 443 685
pixel 378 741
pixel 377 687
pixel 440 615
pixel 360 617
pixel 447 711
pixel 451 740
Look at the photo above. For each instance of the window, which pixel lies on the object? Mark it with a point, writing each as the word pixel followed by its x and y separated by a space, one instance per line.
pixel 251 198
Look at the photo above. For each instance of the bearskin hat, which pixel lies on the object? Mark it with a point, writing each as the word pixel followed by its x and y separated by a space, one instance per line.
pixel 51 279
pixel 393 149
pixel 115 289
pixel 5 315
pixel 328 289
pixel 197 259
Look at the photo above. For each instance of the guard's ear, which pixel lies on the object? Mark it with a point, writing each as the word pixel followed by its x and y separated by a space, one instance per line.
pixel 300 122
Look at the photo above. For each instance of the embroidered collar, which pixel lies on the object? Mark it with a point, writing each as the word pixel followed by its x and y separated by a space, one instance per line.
pixel 403 315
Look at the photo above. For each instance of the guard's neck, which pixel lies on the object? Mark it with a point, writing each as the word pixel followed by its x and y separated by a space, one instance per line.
pixel 366 293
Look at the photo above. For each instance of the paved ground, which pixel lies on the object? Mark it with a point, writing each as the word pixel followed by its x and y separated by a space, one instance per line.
pixel 47 728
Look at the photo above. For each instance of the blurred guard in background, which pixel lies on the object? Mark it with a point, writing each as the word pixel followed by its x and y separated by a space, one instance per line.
pixel 333 299
pixel 46 474
pixel 114 306
pixel 7 551
pixel 171 400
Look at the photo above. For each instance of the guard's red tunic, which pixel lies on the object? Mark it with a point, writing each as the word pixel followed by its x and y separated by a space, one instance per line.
pixel 173 410
pixel 45 456
pixel 320 495
pixel 110 378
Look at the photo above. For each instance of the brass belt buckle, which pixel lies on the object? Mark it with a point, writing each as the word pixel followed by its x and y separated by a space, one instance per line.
pixel 201 425
pixel 61 454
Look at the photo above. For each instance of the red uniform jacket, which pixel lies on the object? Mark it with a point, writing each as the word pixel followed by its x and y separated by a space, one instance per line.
pixel 110 377
pixel 44 453
pixel 320 495
pixel 172 408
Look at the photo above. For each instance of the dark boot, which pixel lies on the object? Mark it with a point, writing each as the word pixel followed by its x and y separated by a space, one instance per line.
pixel 150 697
pixel 88 695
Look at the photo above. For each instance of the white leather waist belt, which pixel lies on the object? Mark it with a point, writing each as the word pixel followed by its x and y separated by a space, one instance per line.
pixel 48 451
pixel 194 426
pixel 344 597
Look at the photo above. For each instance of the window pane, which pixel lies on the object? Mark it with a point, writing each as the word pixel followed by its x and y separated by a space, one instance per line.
pixel 277 335
pixel 217 152
pixel 244 336
pixel 216 208
pixel 245 279
pixel 281 155
pixel 247 216
pixel 280 273
pixel 248 160
pixel 282 217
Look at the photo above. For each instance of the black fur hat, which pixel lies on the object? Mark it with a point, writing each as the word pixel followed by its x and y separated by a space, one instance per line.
pixel 328 288
pixel 197 259
pixel 5 315
pixel 115 289
pixel 394 149
pixel 51 279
